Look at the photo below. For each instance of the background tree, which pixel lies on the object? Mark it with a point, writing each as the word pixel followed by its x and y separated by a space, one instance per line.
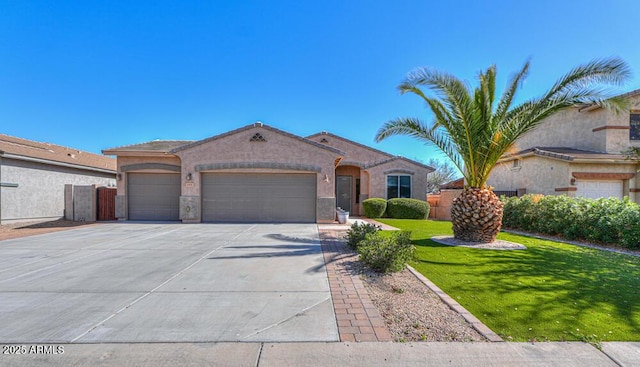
pixel 444 172
pixel 474 129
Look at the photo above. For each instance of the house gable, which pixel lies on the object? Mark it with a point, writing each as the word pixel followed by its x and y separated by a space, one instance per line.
pixel 356 154
pixel 257 137
pixel 360 155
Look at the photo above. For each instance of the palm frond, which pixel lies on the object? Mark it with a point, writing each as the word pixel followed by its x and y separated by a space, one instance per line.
pixel 475 131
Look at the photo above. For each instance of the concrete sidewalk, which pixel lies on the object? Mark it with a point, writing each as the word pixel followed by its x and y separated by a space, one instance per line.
pixel 334 354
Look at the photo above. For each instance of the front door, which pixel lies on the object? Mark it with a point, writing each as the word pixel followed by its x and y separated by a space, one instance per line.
pixel 343 192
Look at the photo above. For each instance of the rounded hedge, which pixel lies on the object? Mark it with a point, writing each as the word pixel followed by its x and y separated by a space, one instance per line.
pixel 407 209
pixel 374 207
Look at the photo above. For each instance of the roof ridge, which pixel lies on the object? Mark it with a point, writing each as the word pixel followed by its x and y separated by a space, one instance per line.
pixel 34 144
pixel 250 126
pixel 147 142
pixel 21 148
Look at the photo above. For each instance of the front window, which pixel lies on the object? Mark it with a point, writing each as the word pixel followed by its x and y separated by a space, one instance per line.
pixel 398 186
pixel 634 125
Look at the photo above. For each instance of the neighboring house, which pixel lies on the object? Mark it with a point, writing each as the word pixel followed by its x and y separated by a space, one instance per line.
pixel 33 176
pixel 577 152
pixel 258 173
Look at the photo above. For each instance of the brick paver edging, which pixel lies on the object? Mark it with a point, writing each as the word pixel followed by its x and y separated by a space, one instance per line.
pixel 357 318
pixel 475 323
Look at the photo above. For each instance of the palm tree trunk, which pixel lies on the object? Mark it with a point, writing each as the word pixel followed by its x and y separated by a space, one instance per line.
pixel 476 215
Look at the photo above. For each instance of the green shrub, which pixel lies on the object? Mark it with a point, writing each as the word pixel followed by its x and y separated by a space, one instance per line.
pixel 386 253
pixel 407 209
pixel 374 207
pixel 357 232
pixel 611 220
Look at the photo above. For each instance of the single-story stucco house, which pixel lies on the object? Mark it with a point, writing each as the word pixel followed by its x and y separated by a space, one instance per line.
pixel 258 173
pixel 33 176
pixel 577 152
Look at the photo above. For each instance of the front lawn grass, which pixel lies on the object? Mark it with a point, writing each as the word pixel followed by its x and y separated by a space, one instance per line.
pixel 551 291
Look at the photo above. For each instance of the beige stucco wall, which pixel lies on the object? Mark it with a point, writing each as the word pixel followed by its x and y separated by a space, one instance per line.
pixel 378 178
pixel 567 128
pixel 538 175
pixel 278 148
pixel 374 179
pixel 127 161
pixel 354 152
pixel 574 128
pixel 618 140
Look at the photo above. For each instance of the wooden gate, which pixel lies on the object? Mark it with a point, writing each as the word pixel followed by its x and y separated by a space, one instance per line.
pixel 106 203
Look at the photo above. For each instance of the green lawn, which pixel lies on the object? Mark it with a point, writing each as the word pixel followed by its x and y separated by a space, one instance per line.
pixel 551 291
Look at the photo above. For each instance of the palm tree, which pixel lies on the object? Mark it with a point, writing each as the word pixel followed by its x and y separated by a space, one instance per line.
pixel 474 129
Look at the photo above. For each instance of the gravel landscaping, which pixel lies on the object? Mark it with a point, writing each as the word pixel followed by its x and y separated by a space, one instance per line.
pixel 413 312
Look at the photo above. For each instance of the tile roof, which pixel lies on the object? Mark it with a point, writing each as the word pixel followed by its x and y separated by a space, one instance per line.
pixel 162 146
pixel 391 157
pixel 10 145
pixel 455 184
pixel 261 125
pixel 568 154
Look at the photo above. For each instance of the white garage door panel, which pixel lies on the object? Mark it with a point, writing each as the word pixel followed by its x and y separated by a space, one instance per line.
pixel 599 188
pixel 258 197
pixel 153 196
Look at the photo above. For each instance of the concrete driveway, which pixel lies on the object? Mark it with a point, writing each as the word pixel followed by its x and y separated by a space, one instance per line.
pixel 161 282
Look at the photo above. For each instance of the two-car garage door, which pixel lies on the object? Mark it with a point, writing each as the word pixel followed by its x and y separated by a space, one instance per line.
pixel 258 197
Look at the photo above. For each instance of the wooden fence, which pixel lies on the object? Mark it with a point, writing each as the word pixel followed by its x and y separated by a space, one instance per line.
pixel 106 203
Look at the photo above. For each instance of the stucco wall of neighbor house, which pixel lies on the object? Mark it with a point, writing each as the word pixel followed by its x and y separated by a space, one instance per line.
pixel 378 178
pixel 271 156
pixel 617 139
pixel 135 164
pixel 568 128
pixel 538 175
pixel 40 188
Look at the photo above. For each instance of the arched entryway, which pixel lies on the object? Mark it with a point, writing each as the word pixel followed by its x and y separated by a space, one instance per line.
pixel 351 188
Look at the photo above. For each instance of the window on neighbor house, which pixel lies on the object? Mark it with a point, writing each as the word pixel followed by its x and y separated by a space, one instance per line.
pixel 398 186
pixel 634 125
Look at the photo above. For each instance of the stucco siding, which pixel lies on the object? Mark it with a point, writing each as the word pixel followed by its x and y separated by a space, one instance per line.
pixel 124 161
pixel 538 175
pixel 354 152
pixel 378 178
pixel 40 188
pixel 277 148
pixel 567 128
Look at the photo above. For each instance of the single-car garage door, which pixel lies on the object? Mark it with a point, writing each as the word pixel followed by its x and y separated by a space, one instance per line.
pixel 153 196
pixel 248 197
pixel 599 188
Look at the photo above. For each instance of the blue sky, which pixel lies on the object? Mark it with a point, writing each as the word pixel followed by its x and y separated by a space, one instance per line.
pixel 98 74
